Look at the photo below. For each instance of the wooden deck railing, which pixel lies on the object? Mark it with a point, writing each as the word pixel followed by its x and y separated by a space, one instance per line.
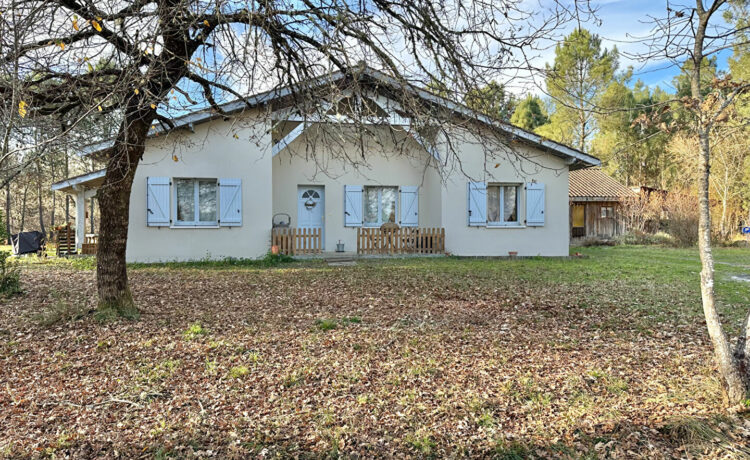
pixel 293 241
pixel 90 244
pixel 404 240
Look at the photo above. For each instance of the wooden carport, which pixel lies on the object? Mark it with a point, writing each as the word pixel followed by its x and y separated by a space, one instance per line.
pixel 82 188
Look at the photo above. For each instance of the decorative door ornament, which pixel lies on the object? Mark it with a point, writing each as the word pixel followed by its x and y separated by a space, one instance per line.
pixel 311 199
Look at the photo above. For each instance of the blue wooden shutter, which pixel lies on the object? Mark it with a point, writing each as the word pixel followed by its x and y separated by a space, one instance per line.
pixel 157 201
pixel 353 205
pixel 409 206
pixel 230 202
pixel 535 205
pixel 477 203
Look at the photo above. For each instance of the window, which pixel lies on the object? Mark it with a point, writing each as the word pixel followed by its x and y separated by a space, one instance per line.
pixel 608 212
pixel 311 197
pixel 195 201
pixel 502 204
pixel 380 205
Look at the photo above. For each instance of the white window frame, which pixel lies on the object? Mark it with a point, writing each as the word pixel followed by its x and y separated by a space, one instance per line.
pixel 196 222
pixel 380 202
pixel 607 212
pixel 515 223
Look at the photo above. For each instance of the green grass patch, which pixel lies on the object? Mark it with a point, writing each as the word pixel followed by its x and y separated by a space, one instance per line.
pixel 326 324
pixel 194 331
pixel 238 372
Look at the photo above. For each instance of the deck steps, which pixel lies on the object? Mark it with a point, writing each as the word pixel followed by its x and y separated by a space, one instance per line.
pixel 341 260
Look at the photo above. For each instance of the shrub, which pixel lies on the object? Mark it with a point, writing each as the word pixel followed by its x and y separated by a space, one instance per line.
pixel 640 238
pixel 275 259
pixel 682 218
pixel 10 275
pixel 593 241
pixel 676 213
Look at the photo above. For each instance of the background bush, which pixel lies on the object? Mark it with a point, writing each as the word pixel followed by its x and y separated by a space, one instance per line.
pixel 10 275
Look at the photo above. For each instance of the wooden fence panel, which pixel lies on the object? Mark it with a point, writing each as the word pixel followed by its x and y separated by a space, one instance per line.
pixel 293 241
pixel 405 240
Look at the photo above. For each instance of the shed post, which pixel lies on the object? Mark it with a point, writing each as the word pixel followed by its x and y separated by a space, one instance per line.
pixel 80 217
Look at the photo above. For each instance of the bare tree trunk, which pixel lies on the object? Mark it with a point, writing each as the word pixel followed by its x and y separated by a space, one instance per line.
pixel 66 173
pixel 7 210
pixel 91 206
pixel 114 207
pixel 734 384
pixel 54 195
pixel 39 198
pixel 742 352
pixel 723 224
pixel 23 207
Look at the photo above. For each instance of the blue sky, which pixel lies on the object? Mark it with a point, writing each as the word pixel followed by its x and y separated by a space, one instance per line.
pixel 624 20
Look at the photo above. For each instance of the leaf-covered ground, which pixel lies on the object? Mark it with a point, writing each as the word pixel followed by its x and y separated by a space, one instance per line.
pixel 599 357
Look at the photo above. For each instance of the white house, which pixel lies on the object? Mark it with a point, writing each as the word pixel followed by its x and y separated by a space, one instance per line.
pixel 212 186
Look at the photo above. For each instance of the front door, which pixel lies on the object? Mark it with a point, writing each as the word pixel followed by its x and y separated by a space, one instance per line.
pixel 311 208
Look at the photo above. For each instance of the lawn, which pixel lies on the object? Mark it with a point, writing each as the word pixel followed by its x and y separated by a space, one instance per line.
pixel 603 356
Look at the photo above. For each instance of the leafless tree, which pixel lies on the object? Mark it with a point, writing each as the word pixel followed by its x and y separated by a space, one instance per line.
pixel 691 33
pixel 145 60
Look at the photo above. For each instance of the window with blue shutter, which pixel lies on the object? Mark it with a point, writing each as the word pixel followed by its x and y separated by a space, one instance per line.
pixel 409 206
pixel 353 205
pixel 477 203
pixel 535 204
pixel 157 201
pixel 230 202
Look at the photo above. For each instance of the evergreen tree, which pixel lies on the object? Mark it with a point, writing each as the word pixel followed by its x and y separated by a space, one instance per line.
pixel 579 76
pixel 491 100
pixel 530 114
pixel 632 152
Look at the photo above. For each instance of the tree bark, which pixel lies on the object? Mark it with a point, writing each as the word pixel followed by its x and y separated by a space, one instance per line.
pixel 742 352
pixel 723 225
pixel 91 206
pixel 7 210
pixel 725 360
pixel 114 208
pixel 66 173
pixel 23 206
pixel 734 382
pixel 54 195
pixel 40 203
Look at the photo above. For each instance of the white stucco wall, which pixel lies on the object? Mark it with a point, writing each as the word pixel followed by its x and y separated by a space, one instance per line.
pixel 212 151
pixel 269 186
pixel 442 203
pixel 388 162
pixel 481 162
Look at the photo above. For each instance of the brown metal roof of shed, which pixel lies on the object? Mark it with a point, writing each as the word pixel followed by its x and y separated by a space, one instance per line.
pixel 594 184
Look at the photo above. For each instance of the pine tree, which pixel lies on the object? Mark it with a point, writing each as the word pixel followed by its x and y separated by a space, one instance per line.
pixel 579 76
pixel 530 114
